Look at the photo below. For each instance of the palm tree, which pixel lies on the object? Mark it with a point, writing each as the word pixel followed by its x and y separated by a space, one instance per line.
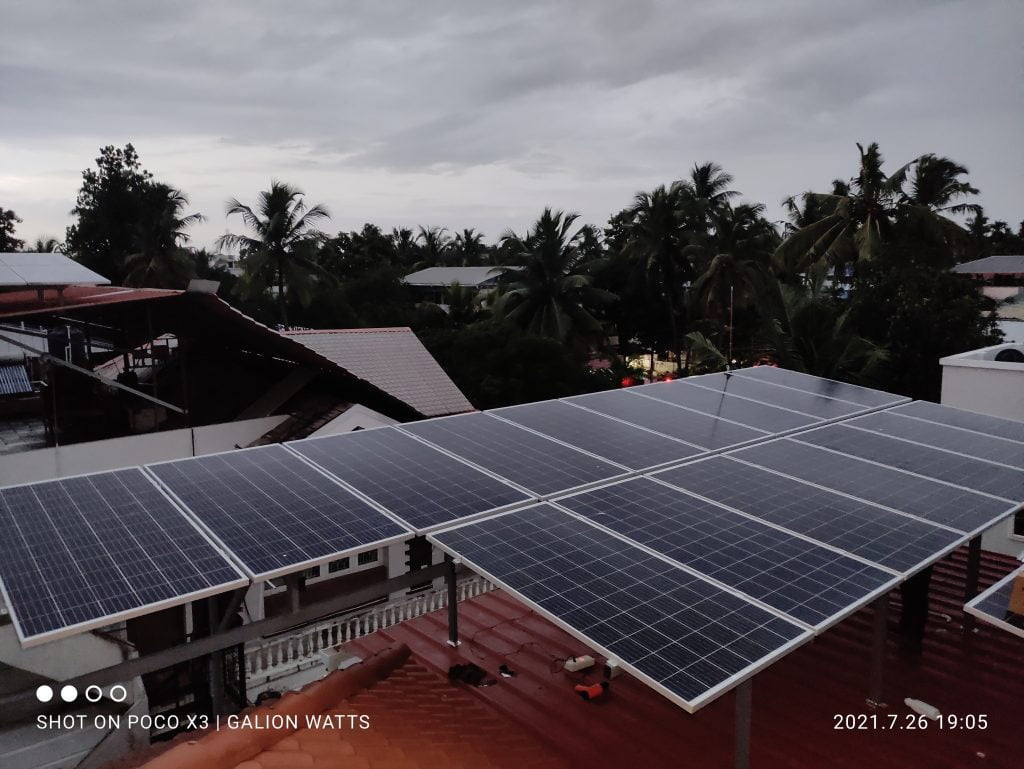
pixel 737 254
pixel 46 245
pixel 656 236
pixel 159 258
pixel 861 218
pixel 434 246
pixel 704 193
pixel 550 294
pixel 467 249
pixel 281 250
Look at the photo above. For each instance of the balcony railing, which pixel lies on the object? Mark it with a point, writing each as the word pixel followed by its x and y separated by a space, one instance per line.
pixel 269 658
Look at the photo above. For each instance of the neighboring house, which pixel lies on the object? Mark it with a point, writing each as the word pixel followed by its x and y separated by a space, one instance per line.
pixel 990 381
pixel 395 360
pixel 1003 278
pixel 433 282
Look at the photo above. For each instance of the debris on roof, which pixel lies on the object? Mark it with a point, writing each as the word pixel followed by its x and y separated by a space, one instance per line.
pixel 392 359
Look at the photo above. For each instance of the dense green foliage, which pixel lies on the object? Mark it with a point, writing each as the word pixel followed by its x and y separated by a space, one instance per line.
pixel 8 222
pixel 855 286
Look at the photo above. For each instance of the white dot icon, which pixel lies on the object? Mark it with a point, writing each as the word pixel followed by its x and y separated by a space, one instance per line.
pixel 44 693
pixel 68 693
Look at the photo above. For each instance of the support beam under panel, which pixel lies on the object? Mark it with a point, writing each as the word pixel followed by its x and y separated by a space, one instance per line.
pixel 881 633
pixel 744 701
pixel 971 585
pixel 453 601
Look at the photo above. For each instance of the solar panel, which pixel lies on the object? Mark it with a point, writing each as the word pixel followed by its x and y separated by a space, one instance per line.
pixel 863 396
pixel 895 541
pixel 968 420
pixel 619 442
pixel 977 474
pixel 809 582
pixel 533 462
pixel 274 511
pixel 416 482
pixel 812 404
pixel 681 634
pixel 717 404
pixel 993 605
pixel 699 429
pixel 932 500
pixel 979 445
pixel 84 552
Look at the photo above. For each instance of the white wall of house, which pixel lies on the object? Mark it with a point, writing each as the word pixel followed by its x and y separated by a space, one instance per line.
pixel 977 382
pixel 97 456
pixel 356 417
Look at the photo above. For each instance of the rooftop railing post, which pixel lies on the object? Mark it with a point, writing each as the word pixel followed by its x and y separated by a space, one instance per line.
pixel 881 632
pixel 453 601
pixel 971 584
pixel 744 698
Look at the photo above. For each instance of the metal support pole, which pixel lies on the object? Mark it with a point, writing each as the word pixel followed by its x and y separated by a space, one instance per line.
pixel 294 583
pixel 881 607
pixel 744 697
pixel 216 661
pixel 971 585
pixel 453 601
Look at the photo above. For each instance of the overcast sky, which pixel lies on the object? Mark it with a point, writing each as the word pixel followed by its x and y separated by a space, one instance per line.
pixel 479 114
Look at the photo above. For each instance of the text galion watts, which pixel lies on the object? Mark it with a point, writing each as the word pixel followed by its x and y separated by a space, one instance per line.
pixel 288 721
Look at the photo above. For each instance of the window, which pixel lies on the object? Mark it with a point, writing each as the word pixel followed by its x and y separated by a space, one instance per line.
pixel 311 573
pixel 335 566
pixel 1018 524
pixel 370 556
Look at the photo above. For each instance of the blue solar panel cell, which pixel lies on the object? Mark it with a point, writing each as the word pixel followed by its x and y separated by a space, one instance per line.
pixel 895 541
pixel 966 420
pixel 416 482
pixel 932 500
pixel 701 430
pixel 991 448
pixel 83 552
pixel 722 406
pixel 616 441
pixel 1004 482
pixel 273 510
pixel 830 388
pixel 819 406
pixel 533 462
pixel 681 632
pixel 809 582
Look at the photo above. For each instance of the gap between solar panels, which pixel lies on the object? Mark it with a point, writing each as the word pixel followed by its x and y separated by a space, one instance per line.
pixel 993 605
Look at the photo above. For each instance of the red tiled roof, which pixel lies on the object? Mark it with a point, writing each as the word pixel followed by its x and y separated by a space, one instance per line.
pixel 794 700
pixel 27 302
pixel 394 360
pixel 417 720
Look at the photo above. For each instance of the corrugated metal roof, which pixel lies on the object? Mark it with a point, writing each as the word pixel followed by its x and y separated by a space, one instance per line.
pixel 45 269
pixel 445 276
pixel 15 304
pixel 394 360
pixel 1002 265
pixel 14 379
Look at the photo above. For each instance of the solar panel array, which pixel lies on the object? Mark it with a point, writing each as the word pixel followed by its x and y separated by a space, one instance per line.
pixel 84 552
pixel 537 464
pixel 679 632
pixel 683 535
pixel 408 478
pixel 273 511
pixel 993 605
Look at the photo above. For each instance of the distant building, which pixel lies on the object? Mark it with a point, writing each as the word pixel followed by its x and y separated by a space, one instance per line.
pixel 990 381
pixel 433 282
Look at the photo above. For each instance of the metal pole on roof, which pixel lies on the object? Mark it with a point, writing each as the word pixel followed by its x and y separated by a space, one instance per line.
pixel 881 607
pixel 215 660
pixel 453 601
pixel 971 585
pixel 744 700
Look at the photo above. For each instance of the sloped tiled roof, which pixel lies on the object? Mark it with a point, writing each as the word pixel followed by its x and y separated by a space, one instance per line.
pixel 392 359
pixel 1000 265
pixel 417 720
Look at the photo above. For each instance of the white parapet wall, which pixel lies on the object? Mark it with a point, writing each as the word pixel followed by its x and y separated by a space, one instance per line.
pixel 976 381
pixel 97 456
